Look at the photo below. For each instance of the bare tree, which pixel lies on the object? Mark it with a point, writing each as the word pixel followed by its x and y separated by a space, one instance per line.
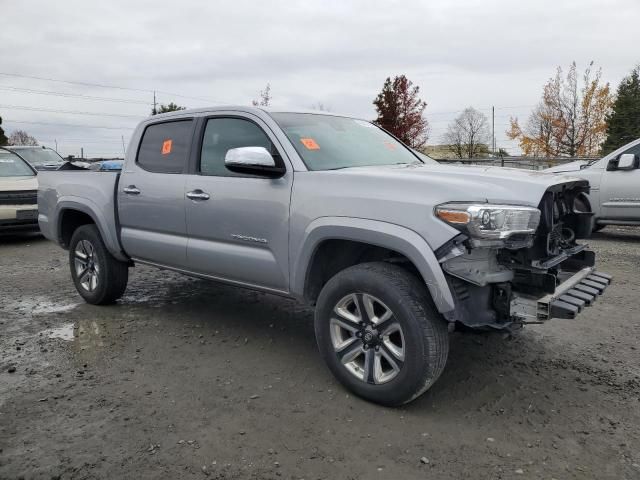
pixel 321 106
pixel 468 135
pixel 20 137
pixel 265 97
pixel 571 118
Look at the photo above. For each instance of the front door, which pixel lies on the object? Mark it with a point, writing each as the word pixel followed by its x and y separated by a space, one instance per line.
pixel 620 192
pixel 238 224
pixel 151 202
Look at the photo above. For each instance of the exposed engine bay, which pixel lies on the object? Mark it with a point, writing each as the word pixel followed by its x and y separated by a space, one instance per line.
pixel 529 276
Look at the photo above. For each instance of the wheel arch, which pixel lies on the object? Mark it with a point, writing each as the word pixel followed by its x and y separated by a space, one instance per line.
pixel 72 214
pixel 368 238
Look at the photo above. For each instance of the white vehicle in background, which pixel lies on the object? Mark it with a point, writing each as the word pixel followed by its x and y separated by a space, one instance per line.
pixel 18 194
pixel 615 185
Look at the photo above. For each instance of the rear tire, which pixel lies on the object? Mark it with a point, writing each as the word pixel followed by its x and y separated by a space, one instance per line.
pixel 99 278
pixel 380 334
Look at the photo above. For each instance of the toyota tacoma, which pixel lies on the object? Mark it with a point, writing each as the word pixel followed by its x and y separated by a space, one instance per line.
pixel 393 250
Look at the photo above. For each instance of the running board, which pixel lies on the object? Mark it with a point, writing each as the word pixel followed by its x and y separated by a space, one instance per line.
pixel 571 296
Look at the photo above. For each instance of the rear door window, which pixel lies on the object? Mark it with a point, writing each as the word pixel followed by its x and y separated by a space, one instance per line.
pixel 165 146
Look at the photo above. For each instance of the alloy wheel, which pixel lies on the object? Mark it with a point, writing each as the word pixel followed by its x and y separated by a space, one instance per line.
pixel 86 265
pixel 367 338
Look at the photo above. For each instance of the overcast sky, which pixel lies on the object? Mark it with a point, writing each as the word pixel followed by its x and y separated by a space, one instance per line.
pixel 460 53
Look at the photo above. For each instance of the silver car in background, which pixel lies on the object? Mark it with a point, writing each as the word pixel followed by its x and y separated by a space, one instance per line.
pixel 39 157
pixel 615 185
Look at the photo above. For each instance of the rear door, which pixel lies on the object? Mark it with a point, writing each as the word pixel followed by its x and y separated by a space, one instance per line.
pixel 239 226
pixel 620 192
pixel 151 203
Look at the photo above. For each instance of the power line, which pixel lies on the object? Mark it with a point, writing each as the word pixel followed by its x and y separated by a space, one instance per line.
pixel 81 142
pixel 74 82
pixel 67 124
pixel 72 95
pixel 72 112
pixel 101 85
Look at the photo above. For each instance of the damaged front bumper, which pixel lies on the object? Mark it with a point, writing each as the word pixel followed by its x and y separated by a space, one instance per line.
pixel 574 293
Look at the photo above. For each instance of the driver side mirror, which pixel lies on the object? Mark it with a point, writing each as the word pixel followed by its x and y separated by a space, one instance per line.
pixel 626 161
pixel 254 161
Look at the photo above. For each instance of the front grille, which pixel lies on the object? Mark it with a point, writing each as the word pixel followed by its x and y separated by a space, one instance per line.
pixel 29 197
pixel 18 223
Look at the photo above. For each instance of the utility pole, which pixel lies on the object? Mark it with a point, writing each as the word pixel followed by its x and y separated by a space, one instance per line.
pixel 124 153
pixel 56 145
pixel 155 110
pixel 493 129
pixel 82 153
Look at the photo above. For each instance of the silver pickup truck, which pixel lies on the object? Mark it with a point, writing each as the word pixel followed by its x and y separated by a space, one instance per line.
pixel 615 185
pixel 394 250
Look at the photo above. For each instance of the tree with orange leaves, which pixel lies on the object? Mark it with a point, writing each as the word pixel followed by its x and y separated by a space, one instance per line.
pixel 570 120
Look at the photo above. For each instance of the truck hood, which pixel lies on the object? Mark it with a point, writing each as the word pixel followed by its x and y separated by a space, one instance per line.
pixel 567 167
pixel 13 184
pixel 470 183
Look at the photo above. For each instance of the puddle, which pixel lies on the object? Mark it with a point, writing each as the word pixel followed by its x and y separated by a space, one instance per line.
pixel 65 332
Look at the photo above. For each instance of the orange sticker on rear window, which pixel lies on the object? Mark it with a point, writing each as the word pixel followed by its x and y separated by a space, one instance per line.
pixel 310 143
pixel 390 146
pixel 166 147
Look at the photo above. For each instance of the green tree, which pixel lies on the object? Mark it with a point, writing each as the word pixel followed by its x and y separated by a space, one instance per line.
pixel 172 107
pixel 623 123
pixel 3 137
pixel 400 111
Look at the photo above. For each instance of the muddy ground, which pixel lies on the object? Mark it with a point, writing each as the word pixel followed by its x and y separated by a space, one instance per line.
pixel 189 379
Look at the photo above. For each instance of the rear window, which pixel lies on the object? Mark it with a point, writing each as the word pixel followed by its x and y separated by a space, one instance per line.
pixel 165 146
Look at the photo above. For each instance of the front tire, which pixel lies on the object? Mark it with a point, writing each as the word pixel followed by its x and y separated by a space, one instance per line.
pixel 380 334
pixel 99 278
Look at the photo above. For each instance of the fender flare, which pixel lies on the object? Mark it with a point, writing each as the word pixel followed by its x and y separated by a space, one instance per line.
pixel 381 234
pixel 103 224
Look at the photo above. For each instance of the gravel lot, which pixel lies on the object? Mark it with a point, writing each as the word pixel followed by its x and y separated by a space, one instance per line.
pixel 189 379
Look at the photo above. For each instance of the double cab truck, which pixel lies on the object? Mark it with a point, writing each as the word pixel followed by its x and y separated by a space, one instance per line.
pixel 393 250
pixel 615 185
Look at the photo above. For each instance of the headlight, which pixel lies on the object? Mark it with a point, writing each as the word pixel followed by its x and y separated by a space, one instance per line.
pixel 491 222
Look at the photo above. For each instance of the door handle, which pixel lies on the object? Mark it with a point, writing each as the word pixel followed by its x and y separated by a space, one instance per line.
pixel 198 194
pixel 131 190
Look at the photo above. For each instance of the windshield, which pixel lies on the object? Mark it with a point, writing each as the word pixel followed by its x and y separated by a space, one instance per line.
pixel 13 166
pixel 326 142
pixel 39 156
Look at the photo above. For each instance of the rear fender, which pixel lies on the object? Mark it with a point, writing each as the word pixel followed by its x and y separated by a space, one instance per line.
pixel 106 226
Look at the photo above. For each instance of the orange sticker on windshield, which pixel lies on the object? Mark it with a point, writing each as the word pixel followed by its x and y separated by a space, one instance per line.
pixel 390 146
pixel 166 147
pixel 310 143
